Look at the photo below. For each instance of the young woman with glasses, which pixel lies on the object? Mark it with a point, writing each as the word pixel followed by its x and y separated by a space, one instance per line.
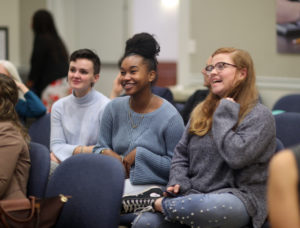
pixel 219 169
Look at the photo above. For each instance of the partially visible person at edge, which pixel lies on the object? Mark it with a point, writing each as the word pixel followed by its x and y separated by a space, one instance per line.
pixel 14 141
pixel 140 129
pixel 76 118
pixel 219 171
pixel 29 105
pixel 197 97
pixel 49 59
pixel 283 189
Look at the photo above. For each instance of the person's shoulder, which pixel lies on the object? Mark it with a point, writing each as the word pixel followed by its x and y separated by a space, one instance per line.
pixel 118 103
pixel 283 161
pixel 121 100
pixel 61 102
pixel 261 109
pixel 7 127
pixel 169 109
pixel 101 97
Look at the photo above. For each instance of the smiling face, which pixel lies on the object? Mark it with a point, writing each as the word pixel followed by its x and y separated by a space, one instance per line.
pixel 222 82
pixel 81 76
pixel 135 76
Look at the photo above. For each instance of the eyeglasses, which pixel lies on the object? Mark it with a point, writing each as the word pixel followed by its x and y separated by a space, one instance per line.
pixel 219 67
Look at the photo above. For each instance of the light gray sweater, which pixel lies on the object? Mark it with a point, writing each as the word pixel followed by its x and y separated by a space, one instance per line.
pixel 76 121
pixel 228 160
pixel 155 138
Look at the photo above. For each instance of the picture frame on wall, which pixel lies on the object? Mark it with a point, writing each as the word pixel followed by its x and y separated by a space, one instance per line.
pixel 4 43
pixel 287 26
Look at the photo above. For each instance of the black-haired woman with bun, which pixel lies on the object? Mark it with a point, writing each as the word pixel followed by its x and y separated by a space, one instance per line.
pixel 140 129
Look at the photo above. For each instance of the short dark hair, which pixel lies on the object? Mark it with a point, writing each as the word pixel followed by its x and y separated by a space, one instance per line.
pixel 87 54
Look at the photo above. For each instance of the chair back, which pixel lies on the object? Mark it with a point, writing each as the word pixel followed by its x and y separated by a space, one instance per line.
pixel 39 130
pixel 279 145
pixel 288 103
pixel 96 184
pixel 288 128
pixel 39 170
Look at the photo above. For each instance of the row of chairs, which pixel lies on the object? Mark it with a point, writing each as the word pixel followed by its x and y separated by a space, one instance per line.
pixel 90 193
pixel 94 182
pixel 288 122
pixel 288 103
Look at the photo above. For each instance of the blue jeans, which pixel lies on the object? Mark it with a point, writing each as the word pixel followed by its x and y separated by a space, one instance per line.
pixel 197 210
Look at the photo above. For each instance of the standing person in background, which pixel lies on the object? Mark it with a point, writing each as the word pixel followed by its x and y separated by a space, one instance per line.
pixel 14 140
pixel 29 105
pixel 75 119
pixel 49 59
pixel 219 171
pixel 141 129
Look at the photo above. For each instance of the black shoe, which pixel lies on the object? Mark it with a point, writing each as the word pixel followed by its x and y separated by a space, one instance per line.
pixel 135 203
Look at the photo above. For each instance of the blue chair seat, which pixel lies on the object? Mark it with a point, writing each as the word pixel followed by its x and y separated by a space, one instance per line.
pixel 96 184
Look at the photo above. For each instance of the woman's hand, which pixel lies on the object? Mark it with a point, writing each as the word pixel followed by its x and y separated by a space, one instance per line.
pixel 83 150
pixel 172 189
pixel 54 158
pixel 128 161
pixel 230 99
pixel 117 88
pixel 111 153
pixel 22 87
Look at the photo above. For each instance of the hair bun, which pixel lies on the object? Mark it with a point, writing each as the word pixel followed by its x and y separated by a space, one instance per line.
pixel 142 44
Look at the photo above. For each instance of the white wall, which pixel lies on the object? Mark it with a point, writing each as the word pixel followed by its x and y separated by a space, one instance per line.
pixel 155 18
pixel 249 24
pixel 98 25
pixel 9 17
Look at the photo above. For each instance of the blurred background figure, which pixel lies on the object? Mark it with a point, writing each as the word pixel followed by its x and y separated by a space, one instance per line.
pixel 49 59
pixel 197 97
pixel 29 105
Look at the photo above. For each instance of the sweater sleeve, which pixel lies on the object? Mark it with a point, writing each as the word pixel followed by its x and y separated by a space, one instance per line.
pixel 9 153
pixel 180 164
pixel 242 145
pixel 156 167
pixel 58 142
pixel 31 107
pixel 105 134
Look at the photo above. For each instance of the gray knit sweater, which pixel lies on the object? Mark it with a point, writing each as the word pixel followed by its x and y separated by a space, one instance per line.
pixel 228 160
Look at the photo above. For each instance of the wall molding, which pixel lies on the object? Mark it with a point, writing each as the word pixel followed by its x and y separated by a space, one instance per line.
pixel 267 82
pixel 278 83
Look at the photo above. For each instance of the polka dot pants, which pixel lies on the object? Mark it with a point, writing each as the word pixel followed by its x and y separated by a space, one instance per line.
pixel 198 210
